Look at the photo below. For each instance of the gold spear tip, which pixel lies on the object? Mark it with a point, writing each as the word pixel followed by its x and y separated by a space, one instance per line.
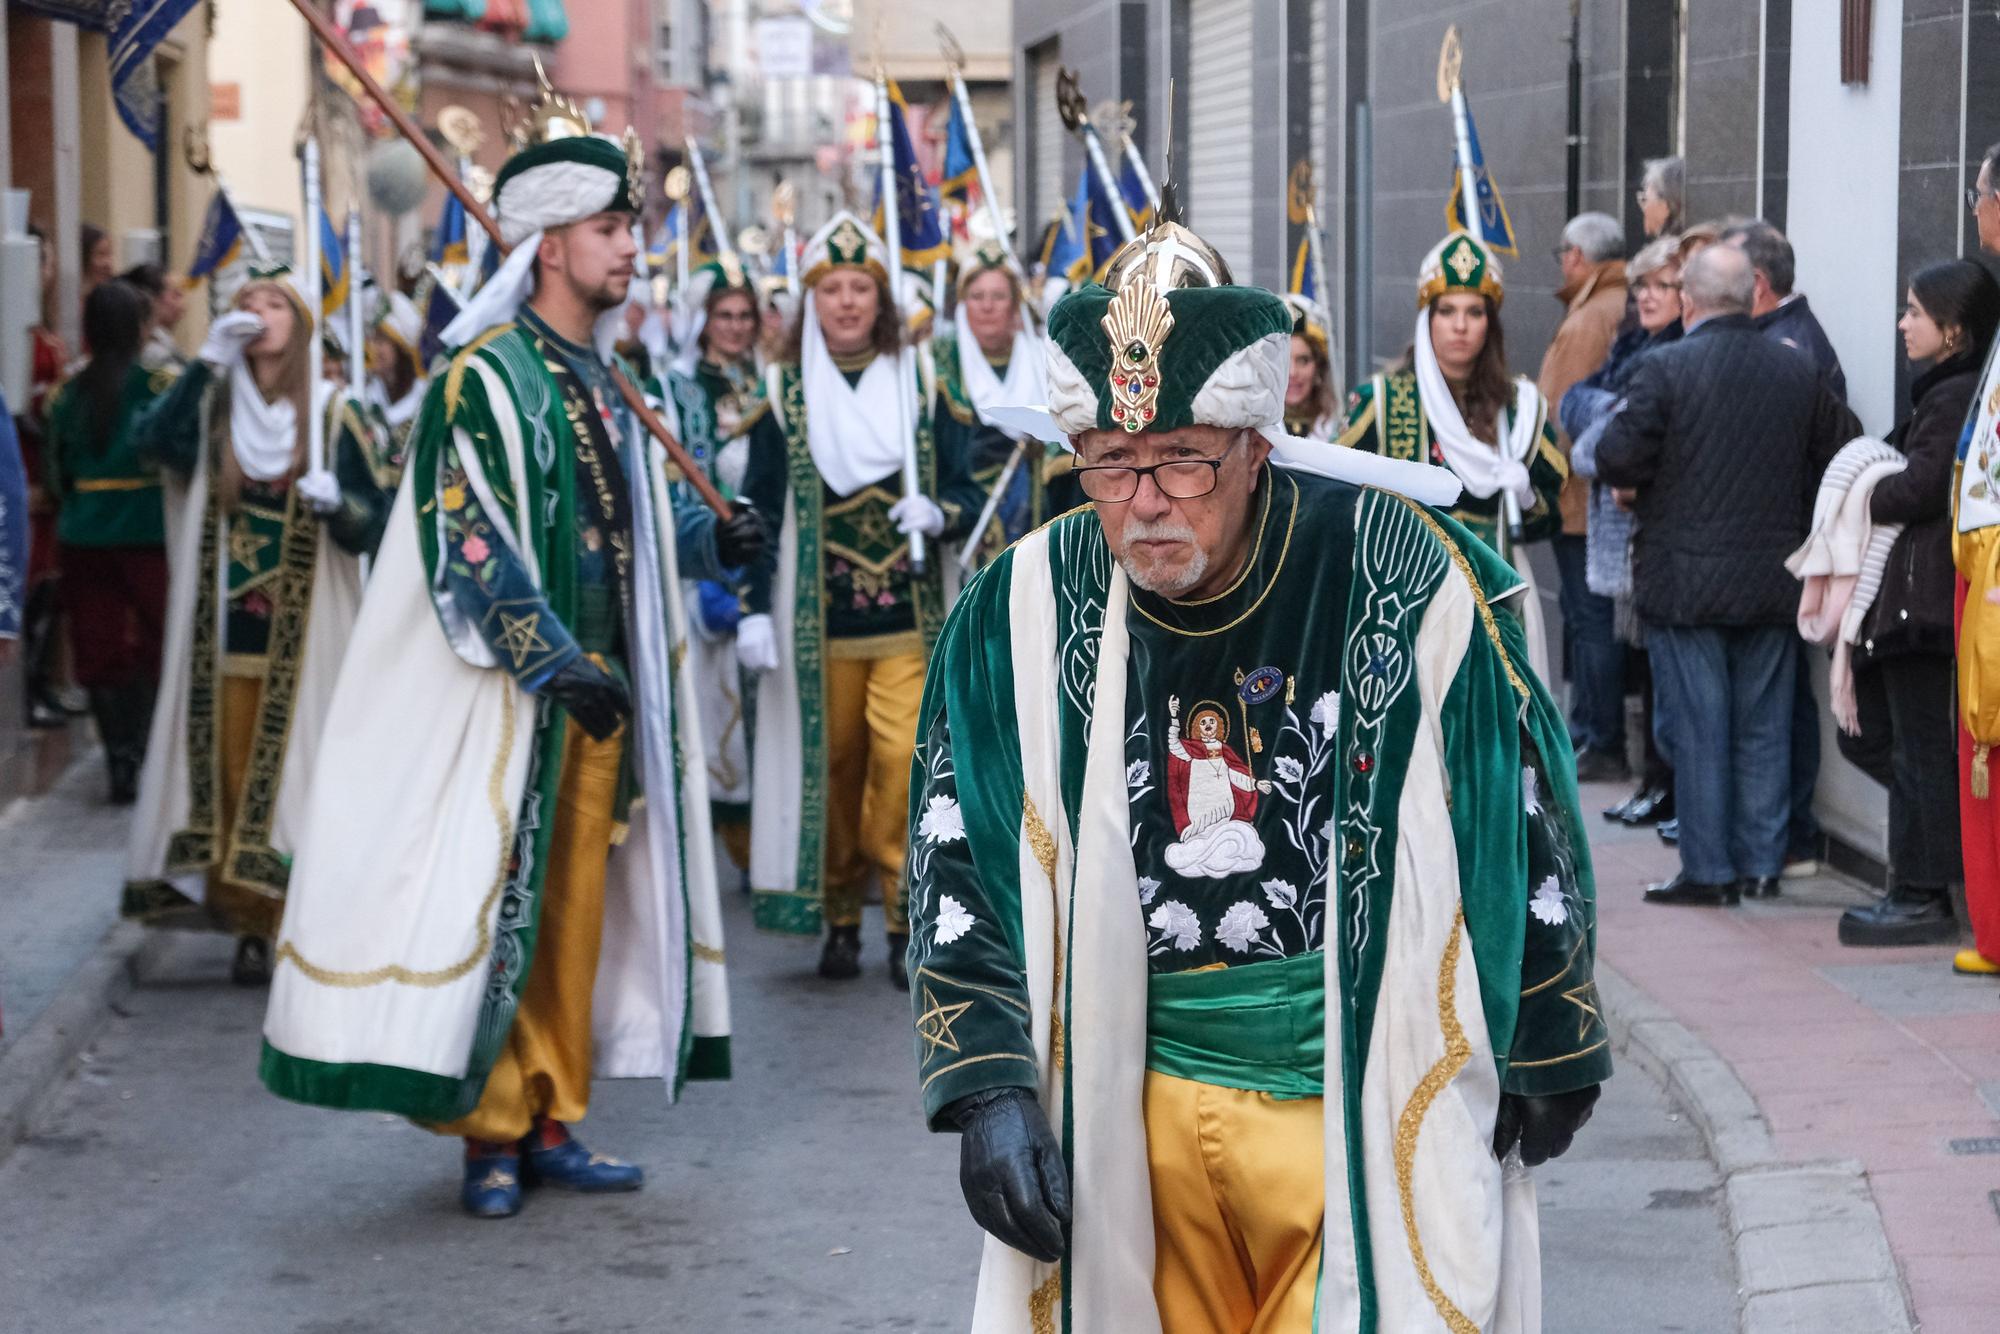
pixel 1451 58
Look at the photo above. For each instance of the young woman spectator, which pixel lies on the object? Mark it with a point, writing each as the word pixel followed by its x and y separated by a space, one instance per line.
pixel 111 527
pixel 1903 681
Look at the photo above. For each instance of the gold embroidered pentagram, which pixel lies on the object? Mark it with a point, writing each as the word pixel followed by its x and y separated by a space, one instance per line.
pixel 521 636
pixel 934 1024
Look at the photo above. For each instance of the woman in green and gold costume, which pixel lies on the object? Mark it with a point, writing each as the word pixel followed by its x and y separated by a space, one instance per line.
pixel 717 400
pixel 1452 402
pixel 264 586
pixel 991 357
pixel 842 624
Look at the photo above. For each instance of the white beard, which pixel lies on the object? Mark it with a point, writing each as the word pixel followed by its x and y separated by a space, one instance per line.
pixel 1154 580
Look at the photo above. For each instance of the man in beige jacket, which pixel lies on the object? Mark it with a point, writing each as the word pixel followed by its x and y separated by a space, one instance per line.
pixel 1592 255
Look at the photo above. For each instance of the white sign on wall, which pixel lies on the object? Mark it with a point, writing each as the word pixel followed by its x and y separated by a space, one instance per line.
pixel 785 48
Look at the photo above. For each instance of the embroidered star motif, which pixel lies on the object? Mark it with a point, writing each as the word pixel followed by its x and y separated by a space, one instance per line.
pixel 872 529
pixel 1584 998
pixel 934 1024
pixel 521 636
pixel 246 543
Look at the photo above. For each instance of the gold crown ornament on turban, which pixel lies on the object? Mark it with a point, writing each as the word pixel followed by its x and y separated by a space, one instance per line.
pixel 843 242
pixel 1459 263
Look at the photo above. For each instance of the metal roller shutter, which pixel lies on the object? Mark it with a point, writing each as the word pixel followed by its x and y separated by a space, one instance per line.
pixel 1049 190
pixel 1218 171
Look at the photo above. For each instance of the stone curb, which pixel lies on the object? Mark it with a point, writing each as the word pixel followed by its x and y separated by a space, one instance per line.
pixel 35 1066
pixel 1811 1253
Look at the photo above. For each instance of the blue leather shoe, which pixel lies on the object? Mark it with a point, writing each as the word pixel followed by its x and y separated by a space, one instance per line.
pixel 492 1186
pixel 566 1163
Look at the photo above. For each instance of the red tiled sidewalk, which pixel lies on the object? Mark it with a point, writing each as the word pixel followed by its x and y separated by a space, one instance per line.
pixel 1881 1056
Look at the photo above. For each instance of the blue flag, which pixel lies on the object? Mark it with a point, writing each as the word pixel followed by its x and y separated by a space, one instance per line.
pixel 919 216
pixel 1494 227
pixel 221 239
pixel 449 244
pixel 960 169
pixel 1067 256
pixel 130 43
pixel 440 309
pixel 332 267
pixel 1137 203
pixel 1101 228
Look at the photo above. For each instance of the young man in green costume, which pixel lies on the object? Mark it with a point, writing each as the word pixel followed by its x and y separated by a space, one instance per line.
pixel 466 946
pixel 1251 915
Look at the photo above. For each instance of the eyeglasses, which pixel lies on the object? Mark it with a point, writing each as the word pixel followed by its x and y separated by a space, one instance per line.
pixel 1182 479
pixel 1556 253
pixel 1974 197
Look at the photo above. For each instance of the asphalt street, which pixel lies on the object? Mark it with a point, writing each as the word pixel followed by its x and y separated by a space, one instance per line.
pixel 165 1190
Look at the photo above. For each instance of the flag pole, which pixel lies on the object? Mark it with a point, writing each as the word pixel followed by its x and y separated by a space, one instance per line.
pixel 1138 164
pixel 1069 101
pixel 357 366
pixel 315 346
pixel 725 244
pixel 885 144
pixel 331 37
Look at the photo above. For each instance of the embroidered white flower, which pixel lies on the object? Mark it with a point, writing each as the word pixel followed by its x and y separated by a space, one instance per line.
pixel 1137 772
pixel 1548 905
pixel 1281 894
pixel 1289 769
pixel 1326 830
pixel 1240 925
pixel 1531 796
pixel 1179 923
pixel 953 920
pixel 1148 887
pixel 943 822
pixel 1326 711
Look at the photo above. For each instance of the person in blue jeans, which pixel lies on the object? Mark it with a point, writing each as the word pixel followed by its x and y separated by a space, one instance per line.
pixel 1723 438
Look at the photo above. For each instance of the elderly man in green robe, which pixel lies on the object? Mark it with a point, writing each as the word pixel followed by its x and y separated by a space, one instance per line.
pixel 1251 916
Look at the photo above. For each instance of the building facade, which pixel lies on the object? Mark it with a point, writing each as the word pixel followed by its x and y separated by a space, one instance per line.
pixel 1859 152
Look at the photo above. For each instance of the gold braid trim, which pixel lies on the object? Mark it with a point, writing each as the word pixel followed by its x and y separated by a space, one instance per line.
pixel 1457 1051
pixel 454 379
pixel 496 796
pixel 1478 594
pixel 1043 1305
pixel 1044 845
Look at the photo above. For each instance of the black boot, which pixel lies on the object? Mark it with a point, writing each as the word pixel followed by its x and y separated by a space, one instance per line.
pixel 840 959
pixel 252 967
pixel 1906 915
pixel 899 968
pixel 106 707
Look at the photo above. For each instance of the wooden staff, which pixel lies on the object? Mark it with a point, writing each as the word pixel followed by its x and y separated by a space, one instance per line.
pixel 696 475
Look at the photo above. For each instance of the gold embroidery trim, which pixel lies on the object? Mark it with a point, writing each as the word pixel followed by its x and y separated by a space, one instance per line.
pixel 454 379
pixel 1044 1303
pixel 1457 1051
pixel 707 953
pixel 1043 845
pixel 496 796
pixel 1478 595
pixel 935 1075
pixel 1555 1060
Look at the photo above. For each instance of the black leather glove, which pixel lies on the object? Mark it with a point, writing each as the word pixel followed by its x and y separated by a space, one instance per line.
pixel 1010 1168
pixel 592 695
pixel 740 539
pixel 1543 1127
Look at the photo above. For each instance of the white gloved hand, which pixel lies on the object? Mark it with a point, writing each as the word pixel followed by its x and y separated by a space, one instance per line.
pixel 917 514
pixel 321 490
pixel 1514 479
pixel 228 336
pixel 757 643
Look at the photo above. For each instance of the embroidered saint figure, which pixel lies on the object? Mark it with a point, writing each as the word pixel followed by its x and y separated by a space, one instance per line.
pixel 1212 795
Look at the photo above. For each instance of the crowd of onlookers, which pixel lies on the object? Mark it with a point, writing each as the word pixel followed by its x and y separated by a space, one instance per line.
pixel 1727 520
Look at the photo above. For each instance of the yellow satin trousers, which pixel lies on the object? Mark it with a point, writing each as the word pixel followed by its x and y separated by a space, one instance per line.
pixel 871 737
pixel 244 909
pixel 1238 1202
pixel 544 1068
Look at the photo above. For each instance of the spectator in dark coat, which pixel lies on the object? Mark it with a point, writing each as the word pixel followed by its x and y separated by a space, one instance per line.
pixel 1723 437
pixel 1903 667
pixel 1785 316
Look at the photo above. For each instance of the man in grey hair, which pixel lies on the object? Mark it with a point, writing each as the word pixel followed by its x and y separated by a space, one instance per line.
pixel 1592 256
pixel 1783 315
pixel 1723 438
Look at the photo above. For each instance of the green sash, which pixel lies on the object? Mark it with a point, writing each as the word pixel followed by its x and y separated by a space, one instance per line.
pixel 1261 1026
